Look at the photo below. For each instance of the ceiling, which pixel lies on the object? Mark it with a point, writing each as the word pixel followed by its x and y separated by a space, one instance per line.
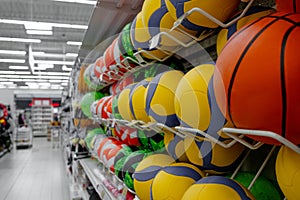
pixel 62 19
pixel 51 58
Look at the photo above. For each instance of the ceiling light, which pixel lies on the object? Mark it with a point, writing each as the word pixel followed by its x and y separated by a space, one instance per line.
pixel 44 66
pixel 12 60
pixel 24 87
pixel 53 73
pixel 74 43
pixel 9 39
pixel 64 68
pixel 18 67
pixel 12 52
pixel 39 32
pixel 41 25
pixel 72 54
pixel 43 54
pixel 54 62
pixel 7 82
pixel 33 77
pixel 14 72
pixel 79 1
pixel 64 84
pixel 55 81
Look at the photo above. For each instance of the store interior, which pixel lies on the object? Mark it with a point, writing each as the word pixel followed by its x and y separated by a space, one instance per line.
pixel 149 99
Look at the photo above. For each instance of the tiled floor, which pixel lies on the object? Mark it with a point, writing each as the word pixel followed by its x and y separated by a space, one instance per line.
pixel 37 173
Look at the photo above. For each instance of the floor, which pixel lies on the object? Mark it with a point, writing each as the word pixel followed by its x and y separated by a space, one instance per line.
pixel 33 174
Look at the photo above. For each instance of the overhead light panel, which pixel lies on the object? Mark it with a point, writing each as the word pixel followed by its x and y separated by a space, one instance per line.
pixel 79 1
pixel 74 43
pixel 53 73
pixel 18 67
pixel 65 68
pixel 26 40
pixel 35 25
pixel 12 60
pixel 54 62
pixel 39 32
pixel 12 52
pixel 14 72
pixel 44 66
pixel 53 55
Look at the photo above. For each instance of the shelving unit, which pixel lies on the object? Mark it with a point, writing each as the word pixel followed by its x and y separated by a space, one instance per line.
pixel 41 116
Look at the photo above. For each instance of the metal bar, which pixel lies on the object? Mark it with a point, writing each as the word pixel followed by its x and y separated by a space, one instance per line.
pixel 261 167
pixel 240 164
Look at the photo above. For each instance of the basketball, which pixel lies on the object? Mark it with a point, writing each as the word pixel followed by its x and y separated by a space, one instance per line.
pixel 217 187
pixel 251 15
pixel 140 37
pixel 123 103
pixel 172 181
pixel 137 101
pixel 221 10
pixel 160 95
pixel 288 5
pixel 256 77
pixel 87 101
pixel 146 171
pixel 288 172
pixel 175 147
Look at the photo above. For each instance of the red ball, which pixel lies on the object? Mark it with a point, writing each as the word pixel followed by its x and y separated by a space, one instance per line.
pixel 288 5
pixel 98 67
pixel 256 82
pixel 101 109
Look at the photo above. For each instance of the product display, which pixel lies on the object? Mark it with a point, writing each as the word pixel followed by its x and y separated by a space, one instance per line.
pixel 185 95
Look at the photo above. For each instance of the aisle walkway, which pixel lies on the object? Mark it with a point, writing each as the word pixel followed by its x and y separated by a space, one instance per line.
pixel 36 173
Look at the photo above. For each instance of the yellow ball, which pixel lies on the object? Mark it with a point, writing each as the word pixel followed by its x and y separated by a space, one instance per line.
pixel 140 37
pixel 172 181
pixel 175 147
pixel 288 172
pixel 220 9
pixel 160 95
pixel 251 15
pixel 192 104
pixel 146 171
pixel 212 157
pixel 156 19
pixel 137 101
pixel 217 187
pixel 123 103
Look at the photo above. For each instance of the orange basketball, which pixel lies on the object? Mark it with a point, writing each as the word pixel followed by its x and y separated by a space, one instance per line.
pixel 288 5
pixel 256 82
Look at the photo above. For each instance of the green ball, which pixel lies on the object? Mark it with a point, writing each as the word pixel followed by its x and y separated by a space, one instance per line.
pixel 115 110
pixel 263 189
pixel 87 101
pixel 151 140
pixel 120 159
pixel 89 139
pixel 130 164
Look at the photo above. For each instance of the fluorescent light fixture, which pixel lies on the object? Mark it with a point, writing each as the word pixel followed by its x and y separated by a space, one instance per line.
pixel 54 62
pixel 14 72
pixel 79 1
pixel 16 79
pixel 45 66
pixel 42 25
pixel 72 54
pixel 43 54
pixel 64 84
pixel 9 39
pixel 53 73
pixel 64 68
pixel 55 81
pixel 39 32
pixel 12 52
pixel 74 43
pixel 7 82
pixel 18 67
pixel 24 87
pixel 33 77
pixel 12 60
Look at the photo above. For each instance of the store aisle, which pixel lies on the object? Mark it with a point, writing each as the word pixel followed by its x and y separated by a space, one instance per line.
pixel 34 174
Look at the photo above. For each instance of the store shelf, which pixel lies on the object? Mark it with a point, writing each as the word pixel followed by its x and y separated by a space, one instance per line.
pixel 97 179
